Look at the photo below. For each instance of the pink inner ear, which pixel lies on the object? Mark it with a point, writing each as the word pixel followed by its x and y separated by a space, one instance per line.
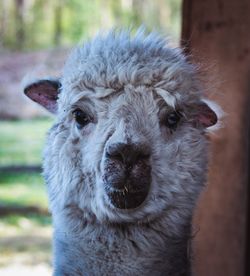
pixel 206 116
pixel 45 93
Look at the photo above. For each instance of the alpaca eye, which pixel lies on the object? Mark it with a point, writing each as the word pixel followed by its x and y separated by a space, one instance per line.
pixel 81 118
pixel 173 119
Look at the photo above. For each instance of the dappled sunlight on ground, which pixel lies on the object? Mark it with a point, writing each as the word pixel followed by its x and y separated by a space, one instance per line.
pixel 17 269
pixel 25 246
pixel 25 238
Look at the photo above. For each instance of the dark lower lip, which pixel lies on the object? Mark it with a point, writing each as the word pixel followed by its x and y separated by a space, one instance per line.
pixel 127 200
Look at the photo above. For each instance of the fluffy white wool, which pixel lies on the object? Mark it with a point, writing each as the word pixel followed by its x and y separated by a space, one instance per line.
pixel 127 85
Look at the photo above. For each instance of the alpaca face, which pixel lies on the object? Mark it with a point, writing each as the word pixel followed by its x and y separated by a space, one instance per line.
pixel 128 143
pixel 127 156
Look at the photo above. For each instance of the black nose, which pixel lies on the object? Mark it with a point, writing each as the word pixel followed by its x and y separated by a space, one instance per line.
pixel 128 154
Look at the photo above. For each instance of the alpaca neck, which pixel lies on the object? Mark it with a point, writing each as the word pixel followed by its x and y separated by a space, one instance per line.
pixel 121 250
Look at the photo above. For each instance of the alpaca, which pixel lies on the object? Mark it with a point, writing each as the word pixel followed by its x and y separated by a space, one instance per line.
pixel 126 158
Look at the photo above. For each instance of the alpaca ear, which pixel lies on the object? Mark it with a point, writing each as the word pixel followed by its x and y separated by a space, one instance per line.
pixel 205 113
pixel 44 92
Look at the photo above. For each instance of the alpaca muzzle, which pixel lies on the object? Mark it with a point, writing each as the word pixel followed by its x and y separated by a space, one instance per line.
pixel 127 175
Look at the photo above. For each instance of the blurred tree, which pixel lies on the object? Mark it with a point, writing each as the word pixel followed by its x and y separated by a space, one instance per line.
pixel 35 24
pixel 58 9
pixel 3 21
pixel 20 28
pixel 138 10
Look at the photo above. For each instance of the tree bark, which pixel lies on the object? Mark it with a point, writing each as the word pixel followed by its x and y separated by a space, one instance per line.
pixel 3 22
pixel 20 28
pixel 216 33
pixel 58 23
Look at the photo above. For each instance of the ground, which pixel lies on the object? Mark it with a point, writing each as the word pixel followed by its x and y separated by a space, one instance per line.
pixel 25 238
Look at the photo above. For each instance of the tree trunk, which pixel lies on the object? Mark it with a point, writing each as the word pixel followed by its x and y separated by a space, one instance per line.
pixel 138 11
pixel 3 22
pixel 58 23
pixel 20 28
pixel 216 32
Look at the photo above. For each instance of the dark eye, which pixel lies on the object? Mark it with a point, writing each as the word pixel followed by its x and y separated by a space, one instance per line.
pixel 81 118
pixel 173 119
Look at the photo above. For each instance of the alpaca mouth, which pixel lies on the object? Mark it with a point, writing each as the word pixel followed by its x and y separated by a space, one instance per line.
pixel 130 195
pixel 126 199
pixel 126 187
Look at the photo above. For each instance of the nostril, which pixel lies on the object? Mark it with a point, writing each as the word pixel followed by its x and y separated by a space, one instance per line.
pixel 145 155
pixel 128 154
pixel 114 155
pixel 117 152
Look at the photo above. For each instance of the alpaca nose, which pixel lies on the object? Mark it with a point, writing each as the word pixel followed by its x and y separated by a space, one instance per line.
pixel 128 154
pixel 127 174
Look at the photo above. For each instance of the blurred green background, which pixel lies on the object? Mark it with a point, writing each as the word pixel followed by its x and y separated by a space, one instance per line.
pixel 35 38
pixel 25 225
pixel 36 24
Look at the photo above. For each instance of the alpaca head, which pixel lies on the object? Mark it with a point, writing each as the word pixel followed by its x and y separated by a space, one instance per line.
pixel 128 143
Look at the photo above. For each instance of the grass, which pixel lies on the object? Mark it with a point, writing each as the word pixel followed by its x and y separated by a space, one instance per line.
pixel 22 189
pixel 25 243
pixel 21 142
pixel 17 221
pixel 25 240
